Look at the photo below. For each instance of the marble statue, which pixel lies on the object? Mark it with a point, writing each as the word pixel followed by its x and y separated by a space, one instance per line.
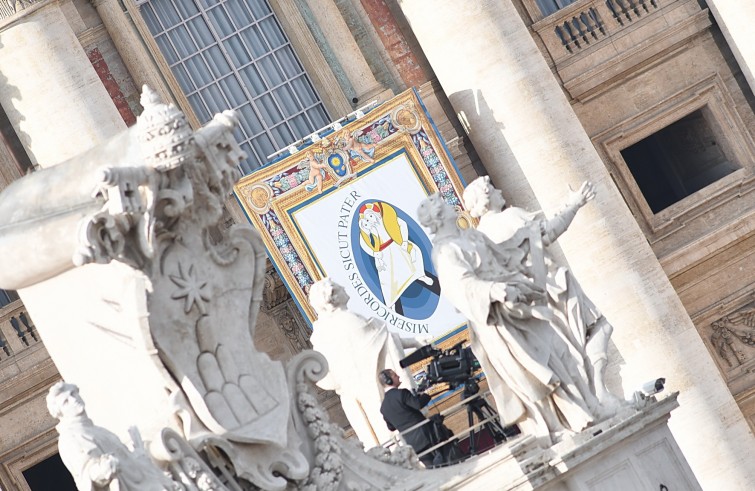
pixel 161 302
pixel 97 459
pixel 165 308
pixel 356 349
pixel 536 375
pixel 587 329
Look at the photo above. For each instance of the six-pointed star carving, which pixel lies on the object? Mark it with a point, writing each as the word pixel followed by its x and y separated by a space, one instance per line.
pixel 190 288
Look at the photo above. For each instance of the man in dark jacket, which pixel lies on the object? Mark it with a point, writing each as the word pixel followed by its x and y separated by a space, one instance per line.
pixel 401 410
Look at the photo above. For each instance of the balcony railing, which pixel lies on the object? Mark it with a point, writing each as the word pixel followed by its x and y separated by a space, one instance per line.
pixel 594 43
pixel 583 23
pixel 17 332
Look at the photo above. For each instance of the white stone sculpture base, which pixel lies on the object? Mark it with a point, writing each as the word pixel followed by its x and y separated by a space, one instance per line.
pixel 631 452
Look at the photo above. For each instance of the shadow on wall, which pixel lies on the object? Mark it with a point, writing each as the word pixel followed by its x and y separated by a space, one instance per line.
pixel 10 138
pixel 496 156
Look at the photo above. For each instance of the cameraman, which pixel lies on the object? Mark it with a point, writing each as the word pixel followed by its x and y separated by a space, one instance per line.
pixel 401 410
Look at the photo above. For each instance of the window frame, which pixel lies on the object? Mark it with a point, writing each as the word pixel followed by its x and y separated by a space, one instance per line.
pixel 300 39
pixel 711 96
pixel 30 453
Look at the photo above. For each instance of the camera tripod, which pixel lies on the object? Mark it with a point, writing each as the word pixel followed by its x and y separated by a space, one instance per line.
pixel 479 407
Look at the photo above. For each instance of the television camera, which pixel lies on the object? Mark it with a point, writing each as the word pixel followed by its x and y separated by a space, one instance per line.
pixel 456 367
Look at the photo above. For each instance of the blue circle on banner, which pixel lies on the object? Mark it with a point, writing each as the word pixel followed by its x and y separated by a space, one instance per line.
pixel 419 300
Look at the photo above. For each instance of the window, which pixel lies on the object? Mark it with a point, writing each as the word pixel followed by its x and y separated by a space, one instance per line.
pixel 676 161
pixel 7 296
pixel 547 7
pixel 49 474
pixel 234 55
pixel 682 160
pixel 9 138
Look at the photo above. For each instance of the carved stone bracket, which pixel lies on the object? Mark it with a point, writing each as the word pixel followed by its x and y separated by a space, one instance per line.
pixel 293 326
pixel 186 466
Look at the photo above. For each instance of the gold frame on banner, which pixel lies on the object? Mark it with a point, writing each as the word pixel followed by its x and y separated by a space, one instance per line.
pixel 340 158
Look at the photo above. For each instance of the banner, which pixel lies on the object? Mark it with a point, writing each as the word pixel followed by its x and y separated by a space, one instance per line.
pixel 345 207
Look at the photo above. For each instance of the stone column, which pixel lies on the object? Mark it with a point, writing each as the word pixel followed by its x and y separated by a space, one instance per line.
pixel 347 52
pixel 396 45
pixel 130 46
pixel 736 18
pixel 50 91
pixel 533 146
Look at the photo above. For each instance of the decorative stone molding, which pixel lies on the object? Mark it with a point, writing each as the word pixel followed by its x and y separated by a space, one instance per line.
pixel 292 325
pixel 275 292
pixel 733 337
pixel 92 36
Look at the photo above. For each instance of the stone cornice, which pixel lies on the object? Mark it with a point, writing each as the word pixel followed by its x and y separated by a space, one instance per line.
pixel 92 35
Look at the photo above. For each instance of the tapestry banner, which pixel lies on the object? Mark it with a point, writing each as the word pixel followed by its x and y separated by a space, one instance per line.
pixel 345 207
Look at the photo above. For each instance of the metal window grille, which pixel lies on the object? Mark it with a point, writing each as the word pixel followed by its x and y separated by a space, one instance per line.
pixel 234 54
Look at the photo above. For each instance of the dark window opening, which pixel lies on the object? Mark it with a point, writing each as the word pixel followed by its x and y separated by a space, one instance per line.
pixel 9 138
pixel 677 161
pixel 547 7
pixel 49 475
pixel 7 296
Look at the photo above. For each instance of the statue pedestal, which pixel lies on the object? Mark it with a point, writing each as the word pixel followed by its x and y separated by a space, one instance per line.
pixel 633 451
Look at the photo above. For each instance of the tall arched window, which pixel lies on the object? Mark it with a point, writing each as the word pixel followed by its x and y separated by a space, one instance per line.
pixel 234 54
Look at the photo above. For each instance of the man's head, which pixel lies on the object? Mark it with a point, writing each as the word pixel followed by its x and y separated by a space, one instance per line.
pixel 433 212
pixel 480 196
pixel 370 214
pixel 389 378
pixel 63 401
pixel 327 296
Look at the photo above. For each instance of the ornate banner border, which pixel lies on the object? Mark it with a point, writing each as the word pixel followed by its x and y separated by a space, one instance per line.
pixel 398 130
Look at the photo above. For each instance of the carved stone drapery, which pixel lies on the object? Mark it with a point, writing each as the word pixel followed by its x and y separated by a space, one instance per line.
pixel 733 336
pixel 12 7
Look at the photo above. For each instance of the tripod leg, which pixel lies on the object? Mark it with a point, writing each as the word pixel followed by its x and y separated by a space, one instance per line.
pixel 494 425
pixel 470 419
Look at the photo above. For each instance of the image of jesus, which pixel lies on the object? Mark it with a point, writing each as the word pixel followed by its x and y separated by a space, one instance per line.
pixel 384 236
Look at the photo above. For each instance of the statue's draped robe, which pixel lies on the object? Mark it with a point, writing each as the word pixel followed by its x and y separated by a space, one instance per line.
pixel 531 367
pixel 532 233
pixel 357 349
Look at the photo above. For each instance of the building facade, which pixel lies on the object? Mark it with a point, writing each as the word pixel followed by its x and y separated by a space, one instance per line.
pixel 650 99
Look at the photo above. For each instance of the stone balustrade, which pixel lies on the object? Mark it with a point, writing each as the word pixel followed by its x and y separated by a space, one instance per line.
pixel 592 42
pixel 17 331
pixel 586 22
